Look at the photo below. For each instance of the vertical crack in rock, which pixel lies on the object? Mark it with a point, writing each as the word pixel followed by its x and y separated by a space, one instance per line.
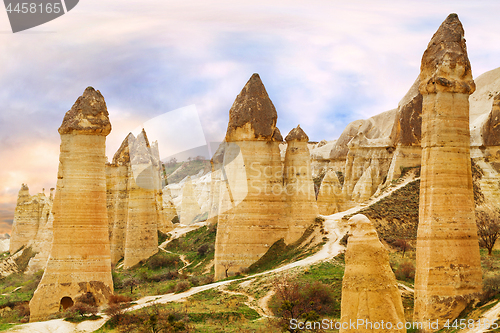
pixel 448 275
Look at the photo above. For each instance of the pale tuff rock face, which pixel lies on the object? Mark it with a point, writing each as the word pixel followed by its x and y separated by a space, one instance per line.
pixel 369 287
pixel 117 179
pixel 251 202
pixel 189 205
pixel 80 256
pixel 135 202
pixel 31 214
pixel 253 115
pixel 141 236
pixel 330 194
pixel 491 128
pixel 300 200
pixel 448 275
pixel 89 115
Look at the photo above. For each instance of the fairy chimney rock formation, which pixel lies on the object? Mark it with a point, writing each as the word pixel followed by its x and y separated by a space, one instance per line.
pixel 26 220
pixel 301 206
pixel 448 274
pixel 369 288
pixel 80 257
pixel 117 177
pixel 330 194
pixel 141 235
pixel 251 207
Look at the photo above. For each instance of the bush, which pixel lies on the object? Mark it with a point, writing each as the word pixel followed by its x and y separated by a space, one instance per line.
pixel 182 286
pixel 202 250
pixel 115 299
pixel 491 286
pixel 303 301
pixel 170 275
pixel 405 271
pixel 161 260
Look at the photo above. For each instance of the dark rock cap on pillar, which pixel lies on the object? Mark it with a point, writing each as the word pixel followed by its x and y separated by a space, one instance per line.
pixel 445 65
pixel 89 115
pixel 297 134
pixel 253 106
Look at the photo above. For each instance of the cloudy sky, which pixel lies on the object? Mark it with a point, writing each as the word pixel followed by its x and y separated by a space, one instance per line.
pixel 324 64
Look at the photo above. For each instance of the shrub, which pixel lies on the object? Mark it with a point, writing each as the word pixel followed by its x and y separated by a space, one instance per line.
pixel 304 301
pixel 161 260
pixel 491 286
pixel 182 286
pixel 115 299
pixel 202 250
pixel 405 271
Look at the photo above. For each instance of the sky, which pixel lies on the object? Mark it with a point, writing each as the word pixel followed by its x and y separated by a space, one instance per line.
pixel 175 68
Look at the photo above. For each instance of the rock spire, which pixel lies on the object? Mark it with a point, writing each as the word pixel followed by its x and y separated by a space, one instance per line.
pixel 80 261
pixel 448 274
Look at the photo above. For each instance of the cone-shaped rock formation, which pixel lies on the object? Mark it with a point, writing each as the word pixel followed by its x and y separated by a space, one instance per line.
pixel 300 199
pixel 448 275
pixel 80 257
pixel 251 204
pixel 369 289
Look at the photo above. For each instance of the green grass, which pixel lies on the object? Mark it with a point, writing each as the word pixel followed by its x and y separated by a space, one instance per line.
pixel 279 253
pixel 198 246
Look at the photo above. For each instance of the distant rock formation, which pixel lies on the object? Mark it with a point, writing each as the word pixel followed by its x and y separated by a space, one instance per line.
pixel 118 174
pixel 300 200
pixel 141 235
pixel 369 288
pixel 80 257
pixel 251 209
pixel 32 213
pixel 189 205
pixel 448 274
pixel 330 194
pixel 135 200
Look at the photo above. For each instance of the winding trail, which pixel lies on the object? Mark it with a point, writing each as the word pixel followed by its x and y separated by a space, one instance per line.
pixel 333 225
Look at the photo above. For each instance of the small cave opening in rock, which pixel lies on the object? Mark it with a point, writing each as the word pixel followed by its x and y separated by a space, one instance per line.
pixel 66 302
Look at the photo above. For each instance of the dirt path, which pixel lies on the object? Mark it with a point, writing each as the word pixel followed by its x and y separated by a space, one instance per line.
pixel 181 257
pixel 333 224
pixel 251 303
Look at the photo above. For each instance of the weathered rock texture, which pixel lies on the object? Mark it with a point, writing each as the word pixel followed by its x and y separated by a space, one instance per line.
pixel 32 213
pixel 141 236
pixel 252 215
pixel 80 256
pixel 330 194
pixel 301 207
pixel 189 206
pixel 448 275
pixel 369 287
pixel 135 200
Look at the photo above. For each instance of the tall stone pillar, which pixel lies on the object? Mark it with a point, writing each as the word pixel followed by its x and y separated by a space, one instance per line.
pixel 448 275
pixel 141 236
pixel 80 256
pixel 300 199
pixel 330 194
pixel 26 220
pixel 251 214
pixel 118 178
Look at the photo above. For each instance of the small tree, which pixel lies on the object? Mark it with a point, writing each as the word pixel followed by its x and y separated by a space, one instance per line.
pixel 227 265
pixel 488 227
